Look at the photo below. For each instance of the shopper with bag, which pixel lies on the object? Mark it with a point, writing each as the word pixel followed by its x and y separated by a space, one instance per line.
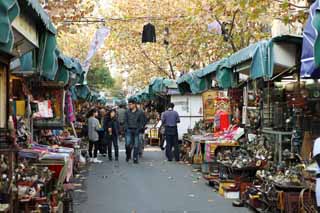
pixel 93 128
pixel 170 120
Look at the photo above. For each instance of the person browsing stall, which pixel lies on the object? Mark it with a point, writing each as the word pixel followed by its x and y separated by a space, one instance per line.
pixel 170 120
pixel 93 128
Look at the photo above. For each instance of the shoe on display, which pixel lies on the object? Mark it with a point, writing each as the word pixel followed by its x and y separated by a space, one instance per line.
pixel 95 160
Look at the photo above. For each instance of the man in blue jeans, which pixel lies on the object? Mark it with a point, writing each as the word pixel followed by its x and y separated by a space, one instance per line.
pixel 133 124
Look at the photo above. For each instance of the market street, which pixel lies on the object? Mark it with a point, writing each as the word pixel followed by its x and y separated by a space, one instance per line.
pixel 152 186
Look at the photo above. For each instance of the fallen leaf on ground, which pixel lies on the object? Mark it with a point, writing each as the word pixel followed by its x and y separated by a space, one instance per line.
pixel 77 184
pixel 79 190
pixel 191 195
pixel 195 182
pixel 210 201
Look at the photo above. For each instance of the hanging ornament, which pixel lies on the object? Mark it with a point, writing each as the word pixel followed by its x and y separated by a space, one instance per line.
pixel 149 33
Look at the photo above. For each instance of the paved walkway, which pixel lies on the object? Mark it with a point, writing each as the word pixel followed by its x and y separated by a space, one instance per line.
pixel 153 186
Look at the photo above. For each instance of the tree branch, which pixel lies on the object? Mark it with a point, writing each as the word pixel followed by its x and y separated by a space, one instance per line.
pixel 153 62
pixel 226 35
pixel 293 5
pixel 233 22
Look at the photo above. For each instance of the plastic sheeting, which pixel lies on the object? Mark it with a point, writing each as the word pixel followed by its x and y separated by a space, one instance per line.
pixel 310 58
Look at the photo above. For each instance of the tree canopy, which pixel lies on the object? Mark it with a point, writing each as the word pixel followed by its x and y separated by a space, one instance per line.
pixel 184 40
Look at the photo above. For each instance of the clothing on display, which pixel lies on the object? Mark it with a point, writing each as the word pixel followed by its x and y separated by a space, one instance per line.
pixel 149 33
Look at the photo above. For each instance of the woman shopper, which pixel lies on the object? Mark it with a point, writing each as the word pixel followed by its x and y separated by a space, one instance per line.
pixel 112 134
pixel 93 128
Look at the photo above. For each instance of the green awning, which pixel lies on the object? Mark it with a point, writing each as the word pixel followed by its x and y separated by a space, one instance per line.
pixel 225 78
pixel 37 8
pixel 82 91
pixel 211 68
pixel 161 85
pixel 9 10
pixel 62 76
pixel 261 56
pixel 170 83
pixel 73 66
pixel 73 93
pixel 48 55
pixel 27 61
pixel 191 83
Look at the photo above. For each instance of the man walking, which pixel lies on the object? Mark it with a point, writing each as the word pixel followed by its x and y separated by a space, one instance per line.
pixel 133 124
pixel 170 119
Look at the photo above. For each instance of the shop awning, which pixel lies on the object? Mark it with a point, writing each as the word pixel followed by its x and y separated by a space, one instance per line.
pixel 48 55
pixel 27 62
pixel 37 8
pixel 9 10
pixel 82 92
pixel 310 58
pixel 72 66
pixel 259 56
pixel 191 83
pixel 211 68
pixel 161 86
pixel 73 93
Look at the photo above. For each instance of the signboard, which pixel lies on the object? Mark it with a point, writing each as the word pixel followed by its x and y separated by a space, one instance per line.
pixel 27 28
pixel 209 109
pixel 214 101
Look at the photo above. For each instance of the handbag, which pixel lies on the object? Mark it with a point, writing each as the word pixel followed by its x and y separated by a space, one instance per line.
pixel 198 159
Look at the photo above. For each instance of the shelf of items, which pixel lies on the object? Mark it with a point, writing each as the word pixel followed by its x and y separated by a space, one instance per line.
pixel 280 135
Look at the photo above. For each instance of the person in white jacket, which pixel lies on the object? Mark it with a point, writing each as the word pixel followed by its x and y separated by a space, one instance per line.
pixel 316 156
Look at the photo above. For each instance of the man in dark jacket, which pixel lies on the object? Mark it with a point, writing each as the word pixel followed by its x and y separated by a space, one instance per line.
pixel 170 120
pixel 112 134
pixel 133 125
